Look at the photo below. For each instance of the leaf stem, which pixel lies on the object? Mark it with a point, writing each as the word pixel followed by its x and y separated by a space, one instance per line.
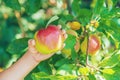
pixel 51 20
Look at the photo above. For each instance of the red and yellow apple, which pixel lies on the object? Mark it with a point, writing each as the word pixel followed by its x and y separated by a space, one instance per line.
pixel 49 40
pixel 93 44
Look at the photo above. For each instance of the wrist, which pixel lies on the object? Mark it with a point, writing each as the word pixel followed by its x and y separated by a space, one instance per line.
pixel 21 68
pixel 34 56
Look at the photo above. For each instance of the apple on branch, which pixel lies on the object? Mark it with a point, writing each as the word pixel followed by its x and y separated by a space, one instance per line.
pixel 93 44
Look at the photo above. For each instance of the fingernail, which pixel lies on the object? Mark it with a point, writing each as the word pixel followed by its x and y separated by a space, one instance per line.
pixel 29 41
pixel 33 42
pixel 66 35
pixel 63 45
pixel 63 31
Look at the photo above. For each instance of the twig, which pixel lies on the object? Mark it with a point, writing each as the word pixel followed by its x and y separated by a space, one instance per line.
pixel 77 66
pixel 81 77
pixel 87 46
pixel 87 53
pixel 17 15
pixel 69 6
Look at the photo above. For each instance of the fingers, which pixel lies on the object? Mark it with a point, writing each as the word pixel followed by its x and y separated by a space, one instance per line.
pixel 63 32
pixel 31 46
pixel 65 36
pixel 42 57
pixel 31 42
pixel 49 55
pixel 59 26
pixel 63 45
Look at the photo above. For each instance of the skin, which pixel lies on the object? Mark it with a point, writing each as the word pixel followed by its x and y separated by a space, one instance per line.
pixel 26 63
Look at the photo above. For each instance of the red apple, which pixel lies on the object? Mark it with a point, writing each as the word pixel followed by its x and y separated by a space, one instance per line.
pixel 49 40
pixel 94 44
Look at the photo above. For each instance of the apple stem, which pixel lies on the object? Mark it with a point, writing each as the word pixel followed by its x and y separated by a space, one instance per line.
pixel 51 20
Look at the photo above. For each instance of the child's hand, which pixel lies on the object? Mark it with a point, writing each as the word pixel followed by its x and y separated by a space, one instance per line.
pixel 39 56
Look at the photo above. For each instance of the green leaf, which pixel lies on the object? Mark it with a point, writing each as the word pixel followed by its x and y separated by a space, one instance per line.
pixel 18 46
pixel 44 76
pixel 91 77
pixel 84 70
pixel 109 14
pixel 32 6
pixel 115 76
pixel 109 4
pixel 82 13
pixel 108 71
pixel 64 19
pixel 83 17
pixel 110 25
pixel 70 41
pixel 52 19
pixel 45 67
pixel 115 2
pixel 111 61
pixel 14 4
pixel 55 58
pixel 61 62
pixel 98 7
pixel 67 68
pixel 74 54
pixel 36 76
pixel 75 7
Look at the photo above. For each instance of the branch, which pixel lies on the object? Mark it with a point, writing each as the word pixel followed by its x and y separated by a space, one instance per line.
pixel 69 6
pixel 87 53
pixel 87 47
pixel 17 15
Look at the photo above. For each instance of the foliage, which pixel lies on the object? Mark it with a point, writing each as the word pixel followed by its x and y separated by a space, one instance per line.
pixel 20 19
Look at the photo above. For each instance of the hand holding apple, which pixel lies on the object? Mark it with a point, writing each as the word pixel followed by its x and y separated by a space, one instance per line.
pixel 40 56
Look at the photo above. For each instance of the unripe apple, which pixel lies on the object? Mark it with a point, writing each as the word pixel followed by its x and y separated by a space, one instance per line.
pixel 94 44
pixel 49 40
pixel 75 25
pixel 72 32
